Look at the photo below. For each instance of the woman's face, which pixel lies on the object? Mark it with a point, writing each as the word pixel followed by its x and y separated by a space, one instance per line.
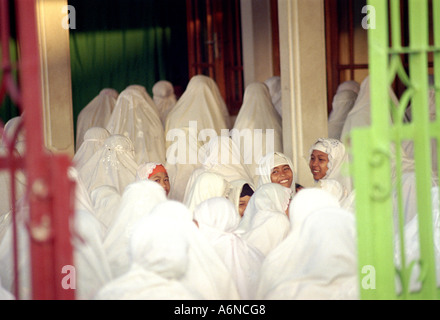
pixel 282 175
pixel 243 204
pixel 318 164
pixel 162 179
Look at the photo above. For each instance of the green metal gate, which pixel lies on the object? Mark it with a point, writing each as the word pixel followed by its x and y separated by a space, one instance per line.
pixel 376 150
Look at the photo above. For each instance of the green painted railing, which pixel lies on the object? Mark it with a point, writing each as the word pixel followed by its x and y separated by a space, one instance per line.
pixel 376 151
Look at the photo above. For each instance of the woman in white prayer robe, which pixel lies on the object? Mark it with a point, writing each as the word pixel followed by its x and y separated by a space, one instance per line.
pixel 164 98
pixel 240 194
pixel 95 114
pixel 218 220
pixel 113 165
pixel 274 85
pixel 139 120
pixel 94 139
pixel 137 201
pixel 105 200
pixel 92 269
pixel 318 259
pixel 265 223
pixel 207 185
pixel 257 114
pixel 276 167
pixel 170 259
pixel 200 102
pixel 343 102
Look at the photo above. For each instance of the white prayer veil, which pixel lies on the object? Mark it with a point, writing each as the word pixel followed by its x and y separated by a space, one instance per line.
pixel 91 266
pixel 113 164
pixel 235 191
pixel 94 139
pixel 159 258
pixel 337 161
pixel 274 86
pixel 138 199
pixel 164 98
pixel 258 126
pixel 207 185
pixel 105 200
pixel 268 162
pixel 265 223
pixel 343 102
pixel 182 161
pixel 218 220
pixel 318 260
pixel 95 114
pixel 139 120
pixel 200 102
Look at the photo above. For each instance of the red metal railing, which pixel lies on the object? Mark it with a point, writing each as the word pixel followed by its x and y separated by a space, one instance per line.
pixel 49 191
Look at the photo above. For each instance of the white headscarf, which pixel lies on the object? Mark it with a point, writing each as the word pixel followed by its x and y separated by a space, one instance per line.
pixel 94 139
pixel 274 86
pixel 318 260
pixel 206 185
pixel 159 258
pixel 217 220
pixel 112 165
pixel 268 162
pixel 105 200
pixel 180 170
pixel 343 102
pixel 95 114
pixel 138 199
pixel 91 266
pixel 164 98
pixel 255 121
pixel 235 191
pixel 265 223
pixel 137 119
pixel 337 161
pixel 200 102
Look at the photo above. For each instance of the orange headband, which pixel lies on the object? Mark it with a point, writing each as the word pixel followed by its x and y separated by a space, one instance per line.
pixel 158 168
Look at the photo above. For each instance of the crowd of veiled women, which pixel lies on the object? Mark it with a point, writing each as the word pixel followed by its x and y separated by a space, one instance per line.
pixel 214 226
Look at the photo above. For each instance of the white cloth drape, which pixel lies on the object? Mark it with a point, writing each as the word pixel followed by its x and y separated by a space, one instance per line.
pixel 164 98
pixel 113 165
pixel 274 85
pixel 318 259
pixel 93 140
pixel 95 114
pixel 138 119
pixel 343 102
pixel 138 199
pixel 235 191
pixel 218 220
pixel 105 200
pixel 265 223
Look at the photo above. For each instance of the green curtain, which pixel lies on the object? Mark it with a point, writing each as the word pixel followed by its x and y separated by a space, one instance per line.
pixel 119 43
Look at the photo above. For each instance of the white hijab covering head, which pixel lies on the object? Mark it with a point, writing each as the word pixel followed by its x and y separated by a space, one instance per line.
pixel 343 102
pixel 201 102
pixel 235 191
pixel 138 199
pixel 222 156
pixel 94 139
pixel 207 185
pixel 337 161
pixel 274 86
pixel 217 220
pixel 164 98
pixel 144 170
pixel 318 260
pixel 105 200
pixel 270 161
pixel 95 114
pixel 113 164
pixel 137 119
pixel 265 223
